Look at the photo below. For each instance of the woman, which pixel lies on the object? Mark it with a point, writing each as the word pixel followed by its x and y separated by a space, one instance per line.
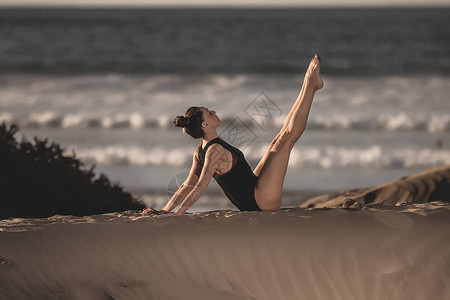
pixel 260 189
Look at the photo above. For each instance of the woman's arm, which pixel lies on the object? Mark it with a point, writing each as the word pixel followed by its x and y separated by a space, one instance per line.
pixel 186 187
pixel 213 156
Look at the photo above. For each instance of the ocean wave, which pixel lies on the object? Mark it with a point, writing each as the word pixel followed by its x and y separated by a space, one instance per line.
pixel 315 157
pixel 49 119
pixel 370 157
pixel 136 120
pixel 135 155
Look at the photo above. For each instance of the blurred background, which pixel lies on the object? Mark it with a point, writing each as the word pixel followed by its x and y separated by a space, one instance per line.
pixel 106 78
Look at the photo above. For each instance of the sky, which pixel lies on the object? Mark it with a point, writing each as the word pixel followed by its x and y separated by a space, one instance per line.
pixel 221 3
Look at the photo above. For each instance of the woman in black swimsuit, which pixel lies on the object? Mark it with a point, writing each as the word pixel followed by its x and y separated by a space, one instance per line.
pixel 260 189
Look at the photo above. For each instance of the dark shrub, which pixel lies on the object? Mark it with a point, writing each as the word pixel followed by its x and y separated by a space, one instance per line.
pixel 38 180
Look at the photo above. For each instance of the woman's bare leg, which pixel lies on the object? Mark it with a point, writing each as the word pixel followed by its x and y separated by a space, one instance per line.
pixel 294 108
pixel 272 167
pixel 261 163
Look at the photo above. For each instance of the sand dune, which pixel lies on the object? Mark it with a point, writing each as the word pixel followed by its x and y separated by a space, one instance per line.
pixel 387 252
pixel 432 185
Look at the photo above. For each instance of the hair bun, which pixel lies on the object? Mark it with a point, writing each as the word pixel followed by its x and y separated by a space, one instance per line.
pixel 181 121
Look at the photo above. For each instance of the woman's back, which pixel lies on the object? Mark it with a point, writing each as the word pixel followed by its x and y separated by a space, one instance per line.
pixel 239 182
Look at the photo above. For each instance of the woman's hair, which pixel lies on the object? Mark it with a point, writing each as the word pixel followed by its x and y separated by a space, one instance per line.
pixel 191 122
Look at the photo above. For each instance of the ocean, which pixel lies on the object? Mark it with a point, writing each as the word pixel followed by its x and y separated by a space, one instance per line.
pixel 107 83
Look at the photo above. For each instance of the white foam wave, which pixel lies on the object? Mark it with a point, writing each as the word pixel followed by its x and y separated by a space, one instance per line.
pixel 134 155
pixel 47 118
pixel 316 157
pixel 55 120
pixel 439 123
pixel 371 157
pixel 133 120
pixel 136 120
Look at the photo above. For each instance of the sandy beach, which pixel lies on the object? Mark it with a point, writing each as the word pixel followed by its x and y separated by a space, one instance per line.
pixel 375 251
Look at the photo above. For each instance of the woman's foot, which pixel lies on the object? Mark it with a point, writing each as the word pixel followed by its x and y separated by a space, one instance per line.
pixel 312 76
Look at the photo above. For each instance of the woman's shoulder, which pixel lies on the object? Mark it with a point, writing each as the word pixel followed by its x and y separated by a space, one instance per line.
pixel 197 151
pixel 215 148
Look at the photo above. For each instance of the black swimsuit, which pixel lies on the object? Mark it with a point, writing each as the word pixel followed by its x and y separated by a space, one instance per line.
pixel 239 183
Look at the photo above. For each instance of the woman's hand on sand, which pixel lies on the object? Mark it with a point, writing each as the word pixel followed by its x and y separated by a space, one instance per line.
pixel 152 211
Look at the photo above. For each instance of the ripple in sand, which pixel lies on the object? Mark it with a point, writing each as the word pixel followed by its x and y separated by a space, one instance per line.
pixel 394 219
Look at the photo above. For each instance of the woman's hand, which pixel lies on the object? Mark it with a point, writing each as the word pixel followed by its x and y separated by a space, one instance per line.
pixel 152 211
pixel 167 213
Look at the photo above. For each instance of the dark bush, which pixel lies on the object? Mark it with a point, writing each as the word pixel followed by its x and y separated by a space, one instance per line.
pixel 38 180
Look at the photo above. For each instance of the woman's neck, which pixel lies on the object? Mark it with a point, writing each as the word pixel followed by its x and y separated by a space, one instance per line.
pixel 208 137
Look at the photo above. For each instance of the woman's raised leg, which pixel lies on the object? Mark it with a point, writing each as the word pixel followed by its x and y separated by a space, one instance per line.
pixel 271 170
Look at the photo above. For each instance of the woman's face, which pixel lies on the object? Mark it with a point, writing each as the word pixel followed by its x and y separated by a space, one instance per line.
pixel 210 117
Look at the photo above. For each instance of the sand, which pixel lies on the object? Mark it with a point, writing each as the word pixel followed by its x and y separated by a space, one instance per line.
pixel 375 251
pixel 432 185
